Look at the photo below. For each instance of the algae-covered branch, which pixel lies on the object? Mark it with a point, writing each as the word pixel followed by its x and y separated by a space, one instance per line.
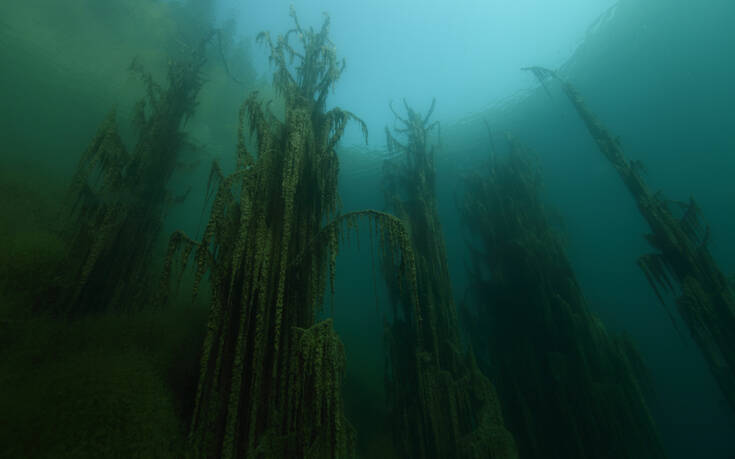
pixel 568 388
pixel 682 263
pixel 442 405
pixel 270 380
pixel 119 197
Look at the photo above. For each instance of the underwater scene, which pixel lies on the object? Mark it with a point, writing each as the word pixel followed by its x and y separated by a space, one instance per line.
pixel 383 229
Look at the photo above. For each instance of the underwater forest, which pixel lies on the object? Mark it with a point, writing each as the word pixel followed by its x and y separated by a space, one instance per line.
pixel 388 229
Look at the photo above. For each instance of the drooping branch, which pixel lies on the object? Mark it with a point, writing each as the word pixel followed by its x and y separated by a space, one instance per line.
pixel 442 405
pixel 270 377
pixel 706 303
pixel 119 198
pixel 533 332
pixel 316 67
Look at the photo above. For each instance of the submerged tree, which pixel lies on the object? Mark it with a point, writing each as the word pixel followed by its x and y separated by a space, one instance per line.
pixel 443 406
pixel 682 263
pixel 270 381
pixel 568 389
pixel 120 197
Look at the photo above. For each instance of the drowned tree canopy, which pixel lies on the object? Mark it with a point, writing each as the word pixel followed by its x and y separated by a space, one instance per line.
pixel 270 378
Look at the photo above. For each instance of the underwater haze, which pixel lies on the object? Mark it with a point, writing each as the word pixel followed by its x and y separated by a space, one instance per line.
pixel 502 229
pixel 419 50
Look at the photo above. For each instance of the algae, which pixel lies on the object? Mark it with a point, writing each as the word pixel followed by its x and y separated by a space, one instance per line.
pixel 442 406
pixel 681 262
pixel 568 388
pixel 270 377
pixel 118 199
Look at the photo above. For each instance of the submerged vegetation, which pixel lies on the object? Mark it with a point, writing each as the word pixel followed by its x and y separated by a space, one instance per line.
pixel 119 198
pixel 270 381
pixel 682 263
pixel 568 388
pixel 120 337
pixel 442 405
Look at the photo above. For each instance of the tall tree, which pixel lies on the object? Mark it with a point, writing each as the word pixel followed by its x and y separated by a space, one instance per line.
pixel 681 262
pixel 443 406
pixel 119 198
pixel 568 388
pixel 270 381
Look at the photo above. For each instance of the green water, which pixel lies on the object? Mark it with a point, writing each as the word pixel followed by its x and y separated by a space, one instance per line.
pixel 120 384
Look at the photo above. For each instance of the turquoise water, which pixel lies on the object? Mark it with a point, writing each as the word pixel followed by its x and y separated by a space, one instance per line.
pixel 658 74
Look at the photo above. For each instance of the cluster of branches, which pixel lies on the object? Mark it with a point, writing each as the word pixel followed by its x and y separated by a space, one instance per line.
pixel 270 378
pixel 118 198
pixel 568 388
pixel 442 405
pixel 681 263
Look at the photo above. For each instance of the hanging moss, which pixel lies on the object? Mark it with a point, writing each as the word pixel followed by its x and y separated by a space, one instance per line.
pixel 270 379
pixel 119 198
pixel 682 263
pixel 568 388
pixel 442 405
